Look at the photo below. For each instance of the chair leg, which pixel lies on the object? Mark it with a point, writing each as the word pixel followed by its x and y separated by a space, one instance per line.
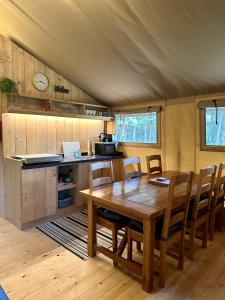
pixel 114 243
pixel 129 245
pixel 212 224
pixel 139 246
pixel 181 251
pixel 162 264
pixel 205 233
pixel 191 241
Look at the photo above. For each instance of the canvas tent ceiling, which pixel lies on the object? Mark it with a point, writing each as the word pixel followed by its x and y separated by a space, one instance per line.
pixel 125 50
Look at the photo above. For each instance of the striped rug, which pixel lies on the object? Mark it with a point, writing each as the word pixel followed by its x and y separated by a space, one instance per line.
pixel 72 233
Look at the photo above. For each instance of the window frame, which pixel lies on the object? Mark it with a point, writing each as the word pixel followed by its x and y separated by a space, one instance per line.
pixel 158 127
pixel 202 128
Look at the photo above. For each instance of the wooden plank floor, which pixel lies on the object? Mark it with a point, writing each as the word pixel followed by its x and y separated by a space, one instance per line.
pixel 32 266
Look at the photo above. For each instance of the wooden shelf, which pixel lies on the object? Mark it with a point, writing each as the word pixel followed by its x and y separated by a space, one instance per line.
pixel 58 100
pixel 66 186
pixel 56 114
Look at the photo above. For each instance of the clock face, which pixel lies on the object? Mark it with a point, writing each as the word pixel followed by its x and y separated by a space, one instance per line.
pixel 40 81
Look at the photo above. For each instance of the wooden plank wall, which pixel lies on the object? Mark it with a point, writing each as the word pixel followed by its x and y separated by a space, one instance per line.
pixel 20 66
pixel 44 134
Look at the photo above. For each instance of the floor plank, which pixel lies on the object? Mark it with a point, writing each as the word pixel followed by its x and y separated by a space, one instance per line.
pixel 32 266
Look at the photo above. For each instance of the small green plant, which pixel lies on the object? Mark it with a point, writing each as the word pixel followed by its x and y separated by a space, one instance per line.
pixel 7 85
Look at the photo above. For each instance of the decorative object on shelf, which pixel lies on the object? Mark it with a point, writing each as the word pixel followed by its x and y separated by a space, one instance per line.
pixel 61 89
pixel 40 81
pixel 7 85
pixel 46 107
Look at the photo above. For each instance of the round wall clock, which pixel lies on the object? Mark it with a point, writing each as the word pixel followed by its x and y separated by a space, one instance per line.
pixel 40 81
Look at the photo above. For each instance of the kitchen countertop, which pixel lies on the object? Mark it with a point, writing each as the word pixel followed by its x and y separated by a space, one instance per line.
pixel 73 161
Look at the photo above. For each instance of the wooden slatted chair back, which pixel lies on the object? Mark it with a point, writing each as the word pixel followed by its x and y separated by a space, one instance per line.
pixel 152 169
pixel 177 203
pixel 205 186
pixel 129 163
pixel 101 167
pixel 219 192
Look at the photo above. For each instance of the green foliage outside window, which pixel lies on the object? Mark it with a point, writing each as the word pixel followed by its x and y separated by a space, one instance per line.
pixel 137 128
pixel 215 126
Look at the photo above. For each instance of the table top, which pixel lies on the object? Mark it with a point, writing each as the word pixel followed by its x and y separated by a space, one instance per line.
pixel 135 198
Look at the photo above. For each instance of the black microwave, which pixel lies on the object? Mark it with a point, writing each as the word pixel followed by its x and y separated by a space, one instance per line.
pixel 105 148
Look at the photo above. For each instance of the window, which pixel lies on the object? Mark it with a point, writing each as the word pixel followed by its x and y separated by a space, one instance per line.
pixel 137 128
pixel 213 128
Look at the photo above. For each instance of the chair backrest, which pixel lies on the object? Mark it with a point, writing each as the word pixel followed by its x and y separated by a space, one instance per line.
pixel 219 192
pixel 99 168
pixel 177 203
pixel 152 169
pixel 129 163
pixel 205 186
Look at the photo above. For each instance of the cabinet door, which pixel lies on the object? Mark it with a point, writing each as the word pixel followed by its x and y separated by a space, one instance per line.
pixel 38 193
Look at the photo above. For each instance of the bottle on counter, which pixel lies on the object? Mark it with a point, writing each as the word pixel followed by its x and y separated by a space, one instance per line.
pixel 90 146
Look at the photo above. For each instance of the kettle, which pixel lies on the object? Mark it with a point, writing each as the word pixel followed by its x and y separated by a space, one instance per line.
pixel 105 137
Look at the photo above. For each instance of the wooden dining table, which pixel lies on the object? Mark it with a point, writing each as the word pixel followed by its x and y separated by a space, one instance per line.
pixel 136 199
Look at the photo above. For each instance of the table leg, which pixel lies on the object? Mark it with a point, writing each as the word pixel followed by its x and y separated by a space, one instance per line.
pixel 148 255
pixel 91 228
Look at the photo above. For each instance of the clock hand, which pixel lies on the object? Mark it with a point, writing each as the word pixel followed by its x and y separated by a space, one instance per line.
pixel 41 81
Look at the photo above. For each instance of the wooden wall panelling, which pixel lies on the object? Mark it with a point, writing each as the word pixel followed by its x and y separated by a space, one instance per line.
pixel 31 133
pixel 83 134
pixel 28 74
pixel 68 130
pixel 75 93
pixel 94 131
pixel 18 67
pixel 60 134
pixel 20 134
pixel 41 134
pixel 76 129
pixel 6 58
pixel 51 135
pixel 38 134
pixel 84 97
pixel 67 85
pixel 58 81
pixel 8 134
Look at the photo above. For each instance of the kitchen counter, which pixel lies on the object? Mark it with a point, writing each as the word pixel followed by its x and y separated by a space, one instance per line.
pixel 72 161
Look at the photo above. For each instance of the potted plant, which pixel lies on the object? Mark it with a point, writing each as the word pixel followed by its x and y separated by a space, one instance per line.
pixel 7 85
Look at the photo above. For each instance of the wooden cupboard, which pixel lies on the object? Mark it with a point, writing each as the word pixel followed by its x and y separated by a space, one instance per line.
pixel 32 194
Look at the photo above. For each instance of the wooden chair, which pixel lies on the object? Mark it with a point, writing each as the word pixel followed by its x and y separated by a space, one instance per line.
pixel 154 170
pixel 170 229
pixel 217 200
pixel 198 215
pixel 106 218
pixel 127 163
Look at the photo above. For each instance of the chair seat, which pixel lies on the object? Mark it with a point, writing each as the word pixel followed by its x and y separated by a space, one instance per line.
pixel 110 215
pixel 138 226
